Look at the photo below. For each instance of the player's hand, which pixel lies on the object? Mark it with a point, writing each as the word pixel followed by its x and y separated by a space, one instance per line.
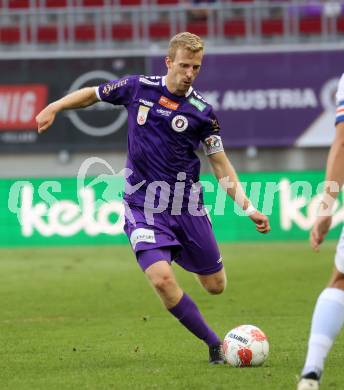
pixel 261 221
pixel 45 118
pixel 319 231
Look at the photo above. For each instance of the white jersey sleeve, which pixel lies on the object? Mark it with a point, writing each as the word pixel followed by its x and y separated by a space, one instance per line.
pixel 340 101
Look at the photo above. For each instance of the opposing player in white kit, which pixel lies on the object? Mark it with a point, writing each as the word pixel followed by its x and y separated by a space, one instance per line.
pixel 328 316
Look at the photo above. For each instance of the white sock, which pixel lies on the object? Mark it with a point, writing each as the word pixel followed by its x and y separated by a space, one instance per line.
pixel 327 321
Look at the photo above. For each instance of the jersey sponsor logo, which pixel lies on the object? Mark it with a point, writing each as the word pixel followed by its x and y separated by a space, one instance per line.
pixel 146 102
pixel 148 82
pixel 112 86
pixel 199 105
pixel 164 101
pixel 142 235
pixel 142 115
pixel 179 123
pixel 213 144
pixel 19 104
pixel 164 112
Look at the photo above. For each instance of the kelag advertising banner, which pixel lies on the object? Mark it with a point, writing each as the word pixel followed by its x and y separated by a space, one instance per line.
pixel 73 211
pixel 271 99
pixel 27 86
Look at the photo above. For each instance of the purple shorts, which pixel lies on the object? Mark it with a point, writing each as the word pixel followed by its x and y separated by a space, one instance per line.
pixel 188 240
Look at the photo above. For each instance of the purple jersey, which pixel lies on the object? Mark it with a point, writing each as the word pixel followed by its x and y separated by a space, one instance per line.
pixel 164 131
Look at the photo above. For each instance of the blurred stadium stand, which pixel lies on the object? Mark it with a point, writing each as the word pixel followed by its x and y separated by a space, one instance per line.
pixel 71 24
pixel 41 28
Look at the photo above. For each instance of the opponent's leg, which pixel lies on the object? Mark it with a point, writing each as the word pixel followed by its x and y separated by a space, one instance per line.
pixel 214 283
pixel 327 321
pixel 182 307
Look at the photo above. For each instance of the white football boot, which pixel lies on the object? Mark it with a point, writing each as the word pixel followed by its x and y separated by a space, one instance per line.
pixel 308 384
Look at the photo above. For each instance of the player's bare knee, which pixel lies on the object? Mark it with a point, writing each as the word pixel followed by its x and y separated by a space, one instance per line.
pixel 216 288
pixel 337 283
pixel 337 280
pixel 164 283
pixel 215 284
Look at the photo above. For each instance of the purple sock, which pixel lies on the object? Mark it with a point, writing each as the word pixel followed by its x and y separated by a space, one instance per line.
pixel 188 314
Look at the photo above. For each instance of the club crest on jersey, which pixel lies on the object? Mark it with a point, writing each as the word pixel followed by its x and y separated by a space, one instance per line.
pixel 142 114
pixel 179 123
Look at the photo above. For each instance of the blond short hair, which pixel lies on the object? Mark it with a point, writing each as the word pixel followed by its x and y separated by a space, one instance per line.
pixel 185 40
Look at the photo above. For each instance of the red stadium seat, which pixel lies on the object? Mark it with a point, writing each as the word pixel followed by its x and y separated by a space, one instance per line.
pixel 56 3
pixel 310 25
pixel 160 30
pixel 19 3
pixel 167 2
pixel 234 28
pixel 130 2
pixel 123 31
pixel 47 34
pixel 199 28
pixel 93 3
pixel 340 24
pixel 272 27
pixel 85 32
pixel 9 35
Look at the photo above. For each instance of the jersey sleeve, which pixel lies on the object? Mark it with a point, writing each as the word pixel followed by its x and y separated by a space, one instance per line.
pixel 340 101
pixel 118 92
pixel 210 135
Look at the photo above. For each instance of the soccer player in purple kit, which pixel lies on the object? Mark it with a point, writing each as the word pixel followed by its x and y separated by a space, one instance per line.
pixel 165 217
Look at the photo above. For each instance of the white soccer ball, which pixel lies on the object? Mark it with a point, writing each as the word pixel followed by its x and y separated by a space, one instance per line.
pixel 246 346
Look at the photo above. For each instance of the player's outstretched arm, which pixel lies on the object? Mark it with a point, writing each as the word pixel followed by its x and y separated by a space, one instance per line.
pixel 334 183
pixel 227 177
pixel 82 98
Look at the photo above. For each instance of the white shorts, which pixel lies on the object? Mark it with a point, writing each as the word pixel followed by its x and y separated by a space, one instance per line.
pixel 339 258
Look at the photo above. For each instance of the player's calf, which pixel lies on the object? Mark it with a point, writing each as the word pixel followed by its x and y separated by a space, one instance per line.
pixel 162 278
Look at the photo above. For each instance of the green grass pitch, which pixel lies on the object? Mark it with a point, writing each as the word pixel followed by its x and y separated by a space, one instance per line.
pixel 86 318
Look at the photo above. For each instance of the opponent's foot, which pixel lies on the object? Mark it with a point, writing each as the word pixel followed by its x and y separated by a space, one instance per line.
pixel 216 355
pixel 309 381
